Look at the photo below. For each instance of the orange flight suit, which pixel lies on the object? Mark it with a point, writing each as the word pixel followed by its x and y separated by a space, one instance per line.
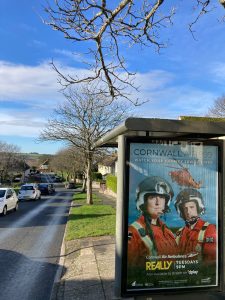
pixel 200 239
pixel 138 248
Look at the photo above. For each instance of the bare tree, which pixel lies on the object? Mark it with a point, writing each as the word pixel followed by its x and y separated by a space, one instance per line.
pixel 69 160
pixel 60 162
pixel 81 121
pixel 218 108
pixel 10 160
pixel 105 27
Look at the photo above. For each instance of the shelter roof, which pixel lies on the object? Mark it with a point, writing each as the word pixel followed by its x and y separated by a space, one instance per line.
pixel 163 128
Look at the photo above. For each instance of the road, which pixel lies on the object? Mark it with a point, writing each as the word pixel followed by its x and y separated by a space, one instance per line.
pixel 30 241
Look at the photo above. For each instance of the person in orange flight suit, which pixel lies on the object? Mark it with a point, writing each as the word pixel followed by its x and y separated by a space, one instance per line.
pixel 148 235
pixel 197 236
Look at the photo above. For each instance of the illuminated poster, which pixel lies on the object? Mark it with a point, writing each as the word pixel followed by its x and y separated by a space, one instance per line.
pixel 172 215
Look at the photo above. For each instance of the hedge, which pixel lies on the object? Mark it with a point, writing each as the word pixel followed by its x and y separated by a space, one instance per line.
pixel 208 119
pixel 111 183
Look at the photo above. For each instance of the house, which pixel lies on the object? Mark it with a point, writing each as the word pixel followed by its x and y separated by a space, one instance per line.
pixel 108 165
pixel 44 167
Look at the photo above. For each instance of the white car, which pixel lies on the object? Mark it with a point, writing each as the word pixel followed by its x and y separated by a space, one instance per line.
pixel 8 200
pixel 29 191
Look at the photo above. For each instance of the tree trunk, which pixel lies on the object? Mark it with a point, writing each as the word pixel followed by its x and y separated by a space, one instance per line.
pixel 68 177
pixel 74 176
pixel 84 184
pixel 89 181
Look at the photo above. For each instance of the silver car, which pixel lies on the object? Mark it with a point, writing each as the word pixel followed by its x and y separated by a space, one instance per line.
pixel 29 191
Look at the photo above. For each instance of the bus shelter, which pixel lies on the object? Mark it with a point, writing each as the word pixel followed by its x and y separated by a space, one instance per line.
pixel 170 208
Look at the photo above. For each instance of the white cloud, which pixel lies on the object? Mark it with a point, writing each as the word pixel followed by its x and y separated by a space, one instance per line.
pixel 74 56
pixel 28 83
pixel 185 100
pixel 169 100
pixel 33 84
pixel 154 80
pixel 37 89
pixel 20 125
pixel 23 131
pixel 218 72
pixel 32 92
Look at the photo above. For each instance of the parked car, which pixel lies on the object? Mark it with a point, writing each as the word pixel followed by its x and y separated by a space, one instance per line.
pixel 70 185
pixel 8 200
pixel 58 179
pixel 52 187
pixel 29 191
pixel 46 188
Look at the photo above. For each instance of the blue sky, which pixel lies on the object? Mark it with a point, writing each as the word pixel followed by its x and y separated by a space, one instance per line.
pixel 184 79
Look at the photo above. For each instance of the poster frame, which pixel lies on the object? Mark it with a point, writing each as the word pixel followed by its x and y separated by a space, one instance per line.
pixel 220 270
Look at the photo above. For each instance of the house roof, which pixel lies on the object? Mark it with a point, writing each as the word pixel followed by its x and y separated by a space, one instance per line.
pixel 46 162
pixel 32 162
pixel 108 160
pixel 36 162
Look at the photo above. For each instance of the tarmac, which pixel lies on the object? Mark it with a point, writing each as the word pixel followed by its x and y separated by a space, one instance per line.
pixel 86 266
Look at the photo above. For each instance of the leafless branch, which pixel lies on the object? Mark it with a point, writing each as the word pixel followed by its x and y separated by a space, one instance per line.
pixel 202 8
pixel 83 118
pixel 218 108
pixel 105 27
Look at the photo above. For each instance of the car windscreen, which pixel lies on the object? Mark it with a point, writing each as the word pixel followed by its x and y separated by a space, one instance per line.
pixel 2 193
pixel 27 188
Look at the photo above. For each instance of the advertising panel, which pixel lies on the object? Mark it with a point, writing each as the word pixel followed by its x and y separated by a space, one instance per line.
pixel 171 215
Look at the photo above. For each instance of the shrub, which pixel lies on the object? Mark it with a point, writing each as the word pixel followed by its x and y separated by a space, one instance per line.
pixel 111 183
pixel 96 176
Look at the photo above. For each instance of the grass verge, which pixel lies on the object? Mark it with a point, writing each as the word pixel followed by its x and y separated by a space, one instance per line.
pixel 80 198
pixel 90 220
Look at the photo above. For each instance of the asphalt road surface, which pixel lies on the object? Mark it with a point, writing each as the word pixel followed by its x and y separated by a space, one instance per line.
pixel 30 244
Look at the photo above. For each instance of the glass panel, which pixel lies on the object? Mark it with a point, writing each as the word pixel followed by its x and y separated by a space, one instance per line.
pixel 172 215
pixel 2 193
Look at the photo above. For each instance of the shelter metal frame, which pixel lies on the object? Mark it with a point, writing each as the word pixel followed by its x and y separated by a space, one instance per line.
pixel 160 128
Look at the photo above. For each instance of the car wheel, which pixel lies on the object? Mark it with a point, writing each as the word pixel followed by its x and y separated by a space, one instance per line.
pixel 16 207
pixel 4 212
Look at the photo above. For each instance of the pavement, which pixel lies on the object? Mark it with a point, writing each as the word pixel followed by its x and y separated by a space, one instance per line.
pixel 86 266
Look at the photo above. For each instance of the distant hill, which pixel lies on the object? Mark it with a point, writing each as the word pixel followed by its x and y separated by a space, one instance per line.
pixel 34 155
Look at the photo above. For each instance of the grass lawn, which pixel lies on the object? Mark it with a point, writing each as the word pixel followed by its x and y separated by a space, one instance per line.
pixel 90 220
